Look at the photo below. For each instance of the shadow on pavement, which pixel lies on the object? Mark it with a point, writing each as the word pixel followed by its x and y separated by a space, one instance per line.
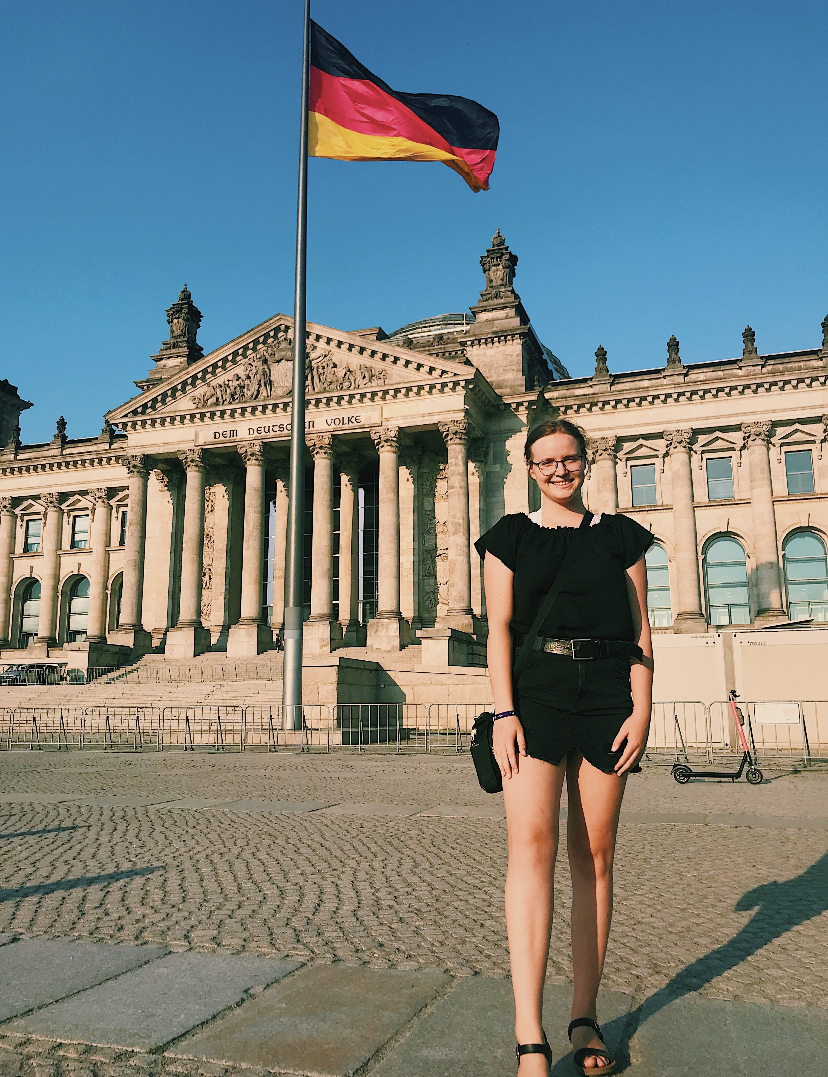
pixel 46 830
pixel 73 884
pixel 779 908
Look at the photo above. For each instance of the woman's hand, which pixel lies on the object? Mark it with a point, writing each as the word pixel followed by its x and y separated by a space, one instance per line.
pixel 508 744
pixel 634 731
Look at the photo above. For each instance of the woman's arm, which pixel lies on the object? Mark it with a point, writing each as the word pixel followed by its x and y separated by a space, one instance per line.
pixel 500 600
pixel 636 728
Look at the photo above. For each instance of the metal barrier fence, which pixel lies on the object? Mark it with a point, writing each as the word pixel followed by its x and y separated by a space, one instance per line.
pixel 680 731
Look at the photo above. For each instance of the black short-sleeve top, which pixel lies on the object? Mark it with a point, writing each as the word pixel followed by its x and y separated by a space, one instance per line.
pixel 594 602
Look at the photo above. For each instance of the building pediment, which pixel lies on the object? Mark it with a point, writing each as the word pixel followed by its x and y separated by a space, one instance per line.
pixel 258 367
pixel 795 437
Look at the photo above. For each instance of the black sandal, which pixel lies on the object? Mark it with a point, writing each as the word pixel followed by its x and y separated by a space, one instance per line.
pixel 535 1049
pixel 583 1053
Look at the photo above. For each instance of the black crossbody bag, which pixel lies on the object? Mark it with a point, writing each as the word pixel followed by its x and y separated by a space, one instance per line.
pixel 482 753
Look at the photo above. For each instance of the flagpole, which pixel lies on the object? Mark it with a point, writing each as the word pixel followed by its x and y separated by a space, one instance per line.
pixel 294 567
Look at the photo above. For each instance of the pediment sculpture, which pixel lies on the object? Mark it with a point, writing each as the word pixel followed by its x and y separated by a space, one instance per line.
pixel 266 373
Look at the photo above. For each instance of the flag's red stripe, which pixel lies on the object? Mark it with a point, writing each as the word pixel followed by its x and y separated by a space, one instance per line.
pixel 361 106
pixel 480 162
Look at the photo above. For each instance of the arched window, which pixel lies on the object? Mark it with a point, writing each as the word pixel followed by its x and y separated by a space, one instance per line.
pixel 115 592
pixel 77 615
pixel 658 587
pixel 29 613
pixel 806 576
pixel 725 579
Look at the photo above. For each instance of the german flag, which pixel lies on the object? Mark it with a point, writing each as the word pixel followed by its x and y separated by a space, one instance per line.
pixel 354 116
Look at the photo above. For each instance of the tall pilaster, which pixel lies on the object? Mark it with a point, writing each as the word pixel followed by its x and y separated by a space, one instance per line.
pixel 130 629
pixel 280 515
pixel 52 534
pixel 765 542
pixel 606 482
pixel 251 636
pixel 385 631
pixel 349 465
pixel 320 633
pixel 689 617
pixel 189 637
pixel 99 565
pixel 456 436
pixel 8 522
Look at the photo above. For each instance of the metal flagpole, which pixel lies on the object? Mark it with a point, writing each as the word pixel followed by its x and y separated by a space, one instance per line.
pixel 294 567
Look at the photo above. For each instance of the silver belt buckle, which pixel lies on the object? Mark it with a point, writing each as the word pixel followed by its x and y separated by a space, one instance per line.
pixel 581 658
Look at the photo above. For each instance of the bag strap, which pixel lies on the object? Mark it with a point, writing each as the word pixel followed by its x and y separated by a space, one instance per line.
pixel 546 605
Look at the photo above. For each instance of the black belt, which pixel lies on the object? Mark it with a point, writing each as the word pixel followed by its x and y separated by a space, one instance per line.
pixel 585 650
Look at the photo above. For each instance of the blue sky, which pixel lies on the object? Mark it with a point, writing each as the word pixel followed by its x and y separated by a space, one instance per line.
pixel 662 169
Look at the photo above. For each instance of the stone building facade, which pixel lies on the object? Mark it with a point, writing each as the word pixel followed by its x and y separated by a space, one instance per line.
pixel 166 532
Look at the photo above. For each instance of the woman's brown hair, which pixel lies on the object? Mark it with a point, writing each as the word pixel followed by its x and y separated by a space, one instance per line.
pixel 554 426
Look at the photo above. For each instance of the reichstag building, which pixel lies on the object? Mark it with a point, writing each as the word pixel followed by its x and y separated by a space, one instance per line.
pixel 165 533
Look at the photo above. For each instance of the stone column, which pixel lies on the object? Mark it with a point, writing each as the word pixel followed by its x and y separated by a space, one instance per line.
pixel 352 634
pixel 456 436
pixel 320 632
pixel 189 637
pixel 688 617
pixel 99 566
pixel 8 523
pixel 280 514
pixel 130 631
pixel 765 542
pixel 385 631
pixel 52 536
pixel 606 483
pixel 478 453
pixel 410 536
pixel 250 636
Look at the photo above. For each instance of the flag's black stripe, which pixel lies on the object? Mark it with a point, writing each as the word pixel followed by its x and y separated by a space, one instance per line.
pixel 461 122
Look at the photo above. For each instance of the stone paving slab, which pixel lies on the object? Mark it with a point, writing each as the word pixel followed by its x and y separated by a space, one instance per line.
pixel 762 822
pixel 154 1005
pixel 36 972
pixel 114 800
pixel 698 1037
pixel 6 939
pixel 285 806
pixel 379 811
pixel 495 810
pixel 470 1033
pixel 37 798
pixel 327 1019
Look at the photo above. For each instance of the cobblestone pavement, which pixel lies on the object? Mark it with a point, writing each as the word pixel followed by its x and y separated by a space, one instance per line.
pixel 731 911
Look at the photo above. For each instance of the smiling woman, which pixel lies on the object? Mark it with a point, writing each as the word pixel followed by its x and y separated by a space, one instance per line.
pixel 562 716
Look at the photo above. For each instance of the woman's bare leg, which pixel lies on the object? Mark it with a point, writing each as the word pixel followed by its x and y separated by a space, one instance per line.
pixel 594 806
pixel 532 799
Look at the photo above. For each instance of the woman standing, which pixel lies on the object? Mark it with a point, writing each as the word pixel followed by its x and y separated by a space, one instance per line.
pixel 579 709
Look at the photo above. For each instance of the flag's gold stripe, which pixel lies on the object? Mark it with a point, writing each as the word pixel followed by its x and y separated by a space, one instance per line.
pixel 327 139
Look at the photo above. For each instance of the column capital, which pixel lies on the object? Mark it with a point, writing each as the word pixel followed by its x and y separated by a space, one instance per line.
pixel 99 495
pixel 136 464
pixel 386 439
pixel 50 501
pixel 678 440
pixel 603 448
pixel 455 431
pixel 478 450
pixel 192 459
pixel 321 446
pixel 6 506
pixel 167 480
pixel 350 463
pixel 252 453
pixel 756 433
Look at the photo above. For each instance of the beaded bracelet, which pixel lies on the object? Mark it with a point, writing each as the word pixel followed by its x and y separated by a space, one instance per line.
pixel 504 714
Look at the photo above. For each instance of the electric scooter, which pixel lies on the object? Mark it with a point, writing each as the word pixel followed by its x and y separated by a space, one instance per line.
pixel 682 772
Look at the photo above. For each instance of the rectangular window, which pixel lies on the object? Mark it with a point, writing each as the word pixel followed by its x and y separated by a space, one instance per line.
pixel 31 540
pixel 643 484
pixel 122 535
pixel 800 471
pixel 80 532
pixel 720 478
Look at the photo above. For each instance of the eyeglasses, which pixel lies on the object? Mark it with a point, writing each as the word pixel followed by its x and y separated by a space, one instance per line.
pixel 549 467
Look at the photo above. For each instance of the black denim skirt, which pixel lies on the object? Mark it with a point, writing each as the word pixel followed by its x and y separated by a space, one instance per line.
pixel 563 704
